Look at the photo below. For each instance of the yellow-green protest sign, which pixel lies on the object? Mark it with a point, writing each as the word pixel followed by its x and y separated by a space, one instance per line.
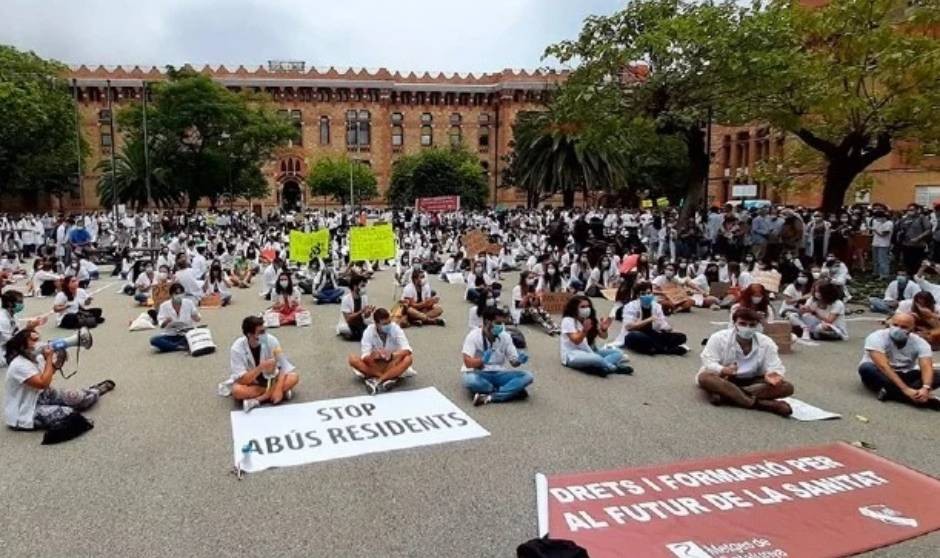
pixel 372 243
pixel 662 202
pixel 646 203
pixel 303 244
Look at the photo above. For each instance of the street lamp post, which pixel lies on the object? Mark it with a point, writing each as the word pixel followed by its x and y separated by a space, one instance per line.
pixel 113 164
pixel 146 146
pixel 78 144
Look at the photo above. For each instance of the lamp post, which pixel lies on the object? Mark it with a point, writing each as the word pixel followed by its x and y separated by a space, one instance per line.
pixel 146 143
pixel 78 144
pixel 113 165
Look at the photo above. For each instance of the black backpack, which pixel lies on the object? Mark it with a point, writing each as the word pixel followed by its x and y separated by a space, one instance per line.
pixel 550 548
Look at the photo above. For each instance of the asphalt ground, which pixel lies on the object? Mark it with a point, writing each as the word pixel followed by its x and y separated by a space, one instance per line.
pixel 152 479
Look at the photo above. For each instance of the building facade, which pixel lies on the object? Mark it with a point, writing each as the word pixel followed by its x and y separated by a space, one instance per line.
pixel 372 117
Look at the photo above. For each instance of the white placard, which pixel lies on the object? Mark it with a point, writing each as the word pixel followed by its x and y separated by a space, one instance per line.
pixel 294 434
pixel 803 411
pixel 744 191
pixel 455 278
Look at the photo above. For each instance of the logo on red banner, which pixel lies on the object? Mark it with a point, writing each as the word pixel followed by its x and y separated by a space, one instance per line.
pixel 833 500
pixel 439 204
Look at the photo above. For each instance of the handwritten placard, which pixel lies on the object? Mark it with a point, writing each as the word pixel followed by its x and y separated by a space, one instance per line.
pixel 554 303
pixel 372 243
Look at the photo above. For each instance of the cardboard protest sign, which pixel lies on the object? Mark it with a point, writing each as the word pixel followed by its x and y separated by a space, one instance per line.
pixel 438 204
pixel 335 428
pixel 833 500
pixel 780 333
pixel 674 294
pixel 304 244
pixel 213 300
pixel 475 242
pixel 554 303
pixel 609 294
pixel 160 294
pixel 372 243
pixel 718 289
pixel 662 202
pixel 769 279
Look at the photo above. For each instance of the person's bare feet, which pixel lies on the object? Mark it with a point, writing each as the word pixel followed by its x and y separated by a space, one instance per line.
pixel 775 406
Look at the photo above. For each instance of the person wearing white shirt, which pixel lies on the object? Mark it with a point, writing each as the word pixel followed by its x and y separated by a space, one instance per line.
pixel 144 283
pixel 477 279
pixel 29 400
pixel 71 305
pixel 269 279
pixel 527 304
pixel 355 310
pixel 645 329
pixel 11 304
pixel 882 228
pixel 824 315
pixel 898 365
pixel 742 367
pixel 199 264
pixel 385 354
pixel 421 306
pixel 488 353
pixel 580 328
pixel 901 288
pixel 260 372
pixel 217 283
pixel 174 317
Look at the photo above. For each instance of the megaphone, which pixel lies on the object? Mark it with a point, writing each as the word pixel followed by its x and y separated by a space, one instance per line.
pixel 81 339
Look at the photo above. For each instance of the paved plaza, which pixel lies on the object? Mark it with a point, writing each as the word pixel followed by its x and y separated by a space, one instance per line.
pixel 152 479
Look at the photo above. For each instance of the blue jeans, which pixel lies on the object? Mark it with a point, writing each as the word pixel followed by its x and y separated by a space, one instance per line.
pixel 599 362
pixel 881 261
pixel 169 343
pixel 882 306
pixel 501 385
pixel 141 298
pixel 329 296
pixel 875 380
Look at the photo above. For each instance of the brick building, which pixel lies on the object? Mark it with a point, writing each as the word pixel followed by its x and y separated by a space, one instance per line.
pixel 373 117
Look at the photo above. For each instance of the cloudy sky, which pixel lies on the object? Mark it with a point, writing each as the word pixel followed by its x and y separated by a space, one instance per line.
pixel 441 35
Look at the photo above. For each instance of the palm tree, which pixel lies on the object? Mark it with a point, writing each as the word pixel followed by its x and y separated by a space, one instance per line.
pixel 129 176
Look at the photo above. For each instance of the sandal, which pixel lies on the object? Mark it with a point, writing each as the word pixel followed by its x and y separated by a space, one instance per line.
pixel 103 387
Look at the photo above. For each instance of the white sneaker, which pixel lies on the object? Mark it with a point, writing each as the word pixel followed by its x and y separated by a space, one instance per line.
pixel 358 374
pixel 387 385
pixel 249 404
pixel 372 385
pixel 288 395
pixel 410 373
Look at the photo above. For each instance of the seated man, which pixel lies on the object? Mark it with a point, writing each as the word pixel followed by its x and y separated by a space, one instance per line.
pixel 645 329
pixel 901 288
pixel 741 367
pixel 174 317
pixel 487 351
pixel 420 305
pixel 898 364
pixel 355 309
pixel 260 371
pixel 386 355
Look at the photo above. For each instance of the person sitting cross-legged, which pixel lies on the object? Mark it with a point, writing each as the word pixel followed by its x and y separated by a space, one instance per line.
pixel 741 367
pixel 420 305
pixel 260 372
pixel 386 354
pixel 488 352
pixel 898 364
pixel 355 310
pixel 580 329
pixel 645 328
pixel 174 317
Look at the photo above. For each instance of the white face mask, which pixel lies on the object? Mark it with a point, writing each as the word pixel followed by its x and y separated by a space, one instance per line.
pixel 756 299
pixel 802 280
pixel 584 312
pixel 746 332
pixel 283 284
pixel 669 274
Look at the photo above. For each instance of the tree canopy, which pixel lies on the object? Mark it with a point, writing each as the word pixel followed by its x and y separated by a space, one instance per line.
pixel 433 172
pixel 330 176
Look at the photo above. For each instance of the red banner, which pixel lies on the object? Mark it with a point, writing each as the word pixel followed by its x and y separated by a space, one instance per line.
pixel 823 501
pixel 439 204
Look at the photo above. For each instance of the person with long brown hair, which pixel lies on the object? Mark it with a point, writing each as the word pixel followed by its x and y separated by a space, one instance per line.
pixel 580 330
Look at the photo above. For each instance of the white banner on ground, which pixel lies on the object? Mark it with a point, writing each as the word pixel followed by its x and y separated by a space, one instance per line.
pixel 300 433
pixel 803 411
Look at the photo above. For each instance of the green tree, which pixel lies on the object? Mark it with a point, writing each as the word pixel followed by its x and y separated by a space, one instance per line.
pixel 330 176
pixel 129 179
pixel 439 172
pixel 209 140
pixel 38 149
pixel 851 79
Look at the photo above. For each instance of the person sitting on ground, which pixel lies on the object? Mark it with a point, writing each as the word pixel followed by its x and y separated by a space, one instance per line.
pixel 580 328
pixel 669 282
pixel 757 298
pixel 901 288
pixel 44 281
pixel 488 352
pixel 741 367
pixel 217 283
pixel 527 304
pixel 29 400
pixel 898 364
pixel 144 281
pixel 926 317
pixel 174 317
pixel 386 354
pixel 551 281
pixel 795 295
pixel 420 305
pixel 356 310
pixel 186 276
pixel 286 299
pixel 260 372
pixel 269 278
pixel 71 305
pixel 824 315
pixel 645 329
pixel 11 304
pixel 326 289
pixel 489 298
pixel 477 280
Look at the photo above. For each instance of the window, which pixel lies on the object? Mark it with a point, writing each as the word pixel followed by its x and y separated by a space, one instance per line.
pixel 398 136
pixel 397 118
pixel 455 119
pixel 427 136
pixel 454 135
pixel 357 128
pixel 324 130
pixel 426 118
pixel 297 121
pixel 924 195
pixel 484 138
pixel 484 118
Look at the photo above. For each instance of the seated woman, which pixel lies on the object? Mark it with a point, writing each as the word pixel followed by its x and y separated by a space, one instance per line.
pixel 795 295
pixel 602 277
pixel 71 305
pixel 645 329
pixel 551 281
pixel 624 295
pixel 824 315
pixel 926 315
pixel 29 400
pixel 385 356
pixel 355 310
pixel 420 305
pixel 44 280
pixel 217 283
pixel 143 284
pixel 488 299
pixel 326 289
pixel 580 328
pixel 11 304
pixel 756 298
pixel 578 274
pixel 286 299
pixel 477 280
pixel 527 306
pixel 242 271
pixel 700 287
pixel 174 317
pixel 668 282
pixel 260 372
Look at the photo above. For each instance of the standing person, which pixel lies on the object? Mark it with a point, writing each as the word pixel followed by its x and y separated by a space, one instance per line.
pixel 898 364
pixel 580 329
pixel 260 371
pixel 174 317
pixel 488 352
pixel 741 367
pixel 881 230
pixel 913 231
pixel 386 354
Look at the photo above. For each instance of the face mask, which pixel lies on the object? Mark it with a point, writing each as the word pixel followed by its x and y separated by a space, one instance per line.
pixel 670 274
pixel 385 328
pixel 802 280
pixel 646 300
pixel 551 271
pixel 530 283
pixel 756 299
pixel 815 275
pixel 177 299
pixel 18 307
pixel 283 284
pixel 148 269
pixel 498 329
pixel 898 335
pixel 362 291
pixel 491 302
pixel 745 332
pixel 584 313
pixel 902 278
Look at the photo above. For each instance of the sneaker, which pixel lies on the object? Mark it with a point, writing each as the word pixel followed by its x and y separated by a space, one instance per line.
pixel 288 395
pixel 358 374
pixel 480 399
pixel 933 403
pixel 410 373
pixel 372 385
pixel 387 385
pixel 623 369
pixel 715 399
pixel 441 322
pixel 249 404
pixel 882 395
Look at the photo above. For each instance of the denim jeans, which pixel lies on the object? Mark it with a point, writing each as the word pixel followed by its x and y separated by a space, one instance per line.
pixel 329 296
pixel 141 298
pixel 881 261
pixel 882 306
pixel 169 343
pixel 501 385
pixel 599 362
pixel 875 380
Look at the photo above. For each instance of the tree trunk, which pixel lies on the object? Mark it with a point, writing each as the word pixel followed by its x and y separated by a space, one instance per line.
pixel 567 197
pixel 839 176
pixel 698 172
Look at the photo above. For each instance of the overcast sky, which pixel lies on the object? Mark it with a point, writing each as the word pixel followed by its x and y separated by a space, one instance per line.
pixel 441 35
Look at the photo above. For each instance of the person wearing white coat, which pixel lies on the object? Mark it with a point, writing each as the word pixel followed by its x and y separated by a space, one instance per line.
pixel 260 372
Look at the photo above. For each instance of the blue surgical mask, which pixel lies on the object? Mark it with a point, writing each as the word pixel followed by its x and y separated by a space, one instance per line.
pixel 647 300
pixel 498 330
pixel 386 328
